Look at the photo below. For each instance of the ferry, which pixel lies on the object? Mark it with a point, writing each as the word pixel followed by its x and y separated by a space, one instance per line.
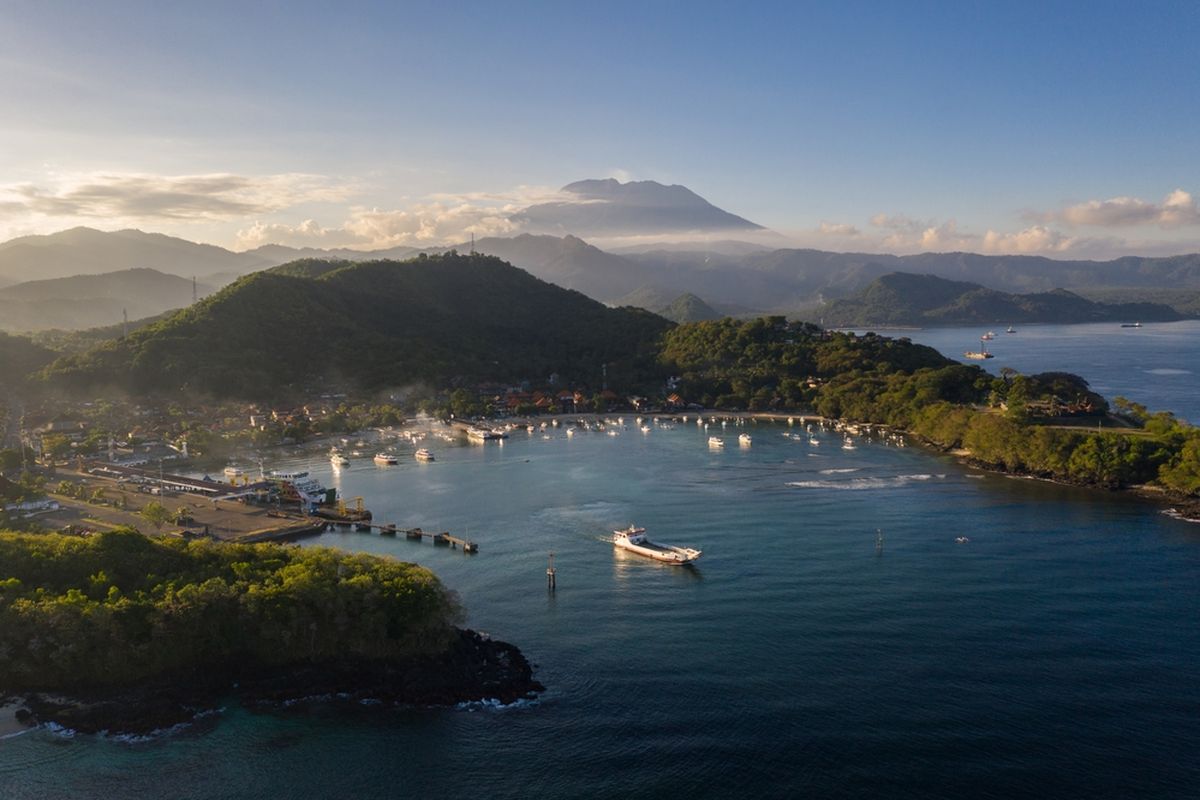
pixel 744 440
pixel 485 434
pixel 386 459
pixel 338 460
pixel 301 487
pixel 634 540
pixel 423 455
pixel 716 441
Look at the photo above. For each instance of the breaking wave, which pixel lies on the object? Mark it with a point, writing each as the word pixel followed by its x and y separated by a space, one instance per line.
pixel 840 470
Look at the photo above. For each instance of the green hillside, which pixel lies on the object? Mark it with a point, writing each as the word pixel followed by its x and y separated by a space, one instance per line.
pixel 688 308
pixel 18 357
pixel 915 300
pixel 441 319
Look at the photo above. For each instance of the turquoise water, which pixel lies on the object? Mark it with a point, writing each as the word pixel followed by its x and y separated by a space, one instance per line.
pixel 1054 654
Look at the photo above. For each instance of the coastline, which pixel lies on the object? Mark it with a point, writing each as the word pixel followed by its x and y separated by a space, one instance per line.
pixel 475 669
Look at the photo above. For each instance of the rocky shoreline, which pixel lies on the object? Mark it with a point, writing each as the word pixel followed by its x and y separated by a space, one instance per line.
pixel 474 669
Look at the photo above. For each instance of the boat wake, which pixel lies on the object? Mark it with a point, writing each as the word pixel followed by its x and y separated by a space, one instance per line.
pixel 863 484
pixel 840 470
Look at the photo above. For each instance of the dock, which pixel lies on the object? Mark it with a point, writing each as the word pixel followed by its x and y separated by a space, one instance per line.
pixel 443 538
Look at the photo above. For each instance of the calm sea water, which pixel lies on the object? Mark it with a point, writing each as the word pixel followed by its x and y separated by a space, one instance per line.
pixel 1157 365
pixel 1055 654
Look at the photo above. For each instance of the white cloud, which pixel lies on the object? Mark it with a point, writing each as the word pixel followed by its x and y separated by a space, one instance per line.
pixel 843 229
pixel 1176 209
pixel 138 197
pixel 1034 240
pixel 449 219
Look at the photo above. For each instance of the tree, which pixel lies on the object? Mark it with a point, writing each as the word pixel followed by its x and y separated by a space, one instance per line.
pixel 156 514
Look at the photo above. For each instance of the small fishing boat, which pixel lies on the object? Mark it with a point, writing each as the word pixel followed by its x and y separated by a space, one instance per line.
pixel 634 540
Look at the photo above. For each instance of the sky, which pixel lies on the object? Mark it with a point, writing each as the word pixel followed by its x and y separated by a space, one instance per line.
pixel 1055 128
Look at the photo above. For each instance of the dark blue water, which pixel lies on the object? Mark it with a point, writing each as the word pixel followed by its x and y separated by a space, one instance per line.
pixel 1055 654
pixel 1157 365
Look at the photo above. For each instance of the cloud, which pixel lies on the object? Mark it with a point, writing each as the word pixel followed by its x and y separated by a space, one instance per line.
pixel 1177 209
pixel 899 222
pixel 844 229
pixel 1035 239
pixel 144 197
pixel 449 219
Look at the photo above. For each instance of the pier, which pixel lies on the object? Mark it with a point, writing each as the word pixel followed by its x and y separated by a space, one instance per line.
pixel 442 538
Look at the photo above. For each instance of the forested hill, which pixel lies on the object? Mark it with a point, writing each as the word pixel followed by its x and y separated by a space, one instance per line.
pixel 18 357
pixel 902 298
pixel 379 324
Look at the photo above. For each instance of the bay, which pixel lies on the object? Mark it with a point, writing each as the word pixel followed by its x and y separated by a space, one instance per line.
pixel 1053 654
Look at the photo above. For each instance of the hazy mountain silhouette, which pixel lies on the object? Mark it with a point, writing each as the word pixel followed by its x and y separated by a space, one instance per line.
pixel 89 301
pixel 611 208
pixel 86 251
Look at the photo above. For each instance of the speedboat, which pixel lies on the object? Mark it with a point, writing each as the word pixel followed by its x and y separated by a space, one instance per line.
pixel 634 540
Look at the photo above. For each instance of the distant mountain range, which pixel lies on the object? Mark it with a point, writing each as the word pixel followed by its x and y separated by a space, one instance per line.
pixel 612 208
pixel 903 299
pixel 732 276
pixel 443 320
pixel 88 301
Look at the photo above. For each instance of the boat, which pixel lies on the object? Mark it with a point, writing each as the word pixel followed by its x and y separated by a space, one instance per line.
pixel 386 459
pixel 716 441
pixel 978 355
pixel 987 337
pixel 961 539
pixel 423 455
pixel 338 460
pixel 234 474
pixel 634 540
pixel 848 444
pixel 744 440
pixel 1131 324
pixel 1011 329
pixel 301 487
pixel 485 434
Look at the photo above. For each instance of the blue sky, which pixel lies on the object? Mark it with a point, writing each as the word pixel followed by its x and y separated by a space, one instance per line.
pixel 1066 129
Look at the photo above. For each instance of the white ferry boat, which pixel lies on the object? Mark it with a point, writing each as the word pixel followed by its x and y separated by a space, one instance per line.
pixel 634 540
pixel 386 459
pixel 301 487
pixel 716 441
pixel 423 455
pixel 744 440
pixel 485 434
pixel 338 460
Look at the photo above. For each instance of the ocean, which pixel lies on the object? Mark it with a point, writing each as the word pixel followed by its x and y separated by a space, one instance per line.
pixel 835 640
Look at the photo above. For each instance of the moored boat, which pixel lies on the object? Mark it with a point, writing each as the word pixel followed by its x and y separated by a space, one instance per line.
pixel 634 540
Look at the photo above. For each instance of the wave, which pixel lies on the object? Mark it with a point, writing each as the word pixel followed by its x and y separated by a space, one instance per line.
pixel 1175 513
pixel 860 484
pixel 1168 371
pixel 493 704
pixel 840 470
